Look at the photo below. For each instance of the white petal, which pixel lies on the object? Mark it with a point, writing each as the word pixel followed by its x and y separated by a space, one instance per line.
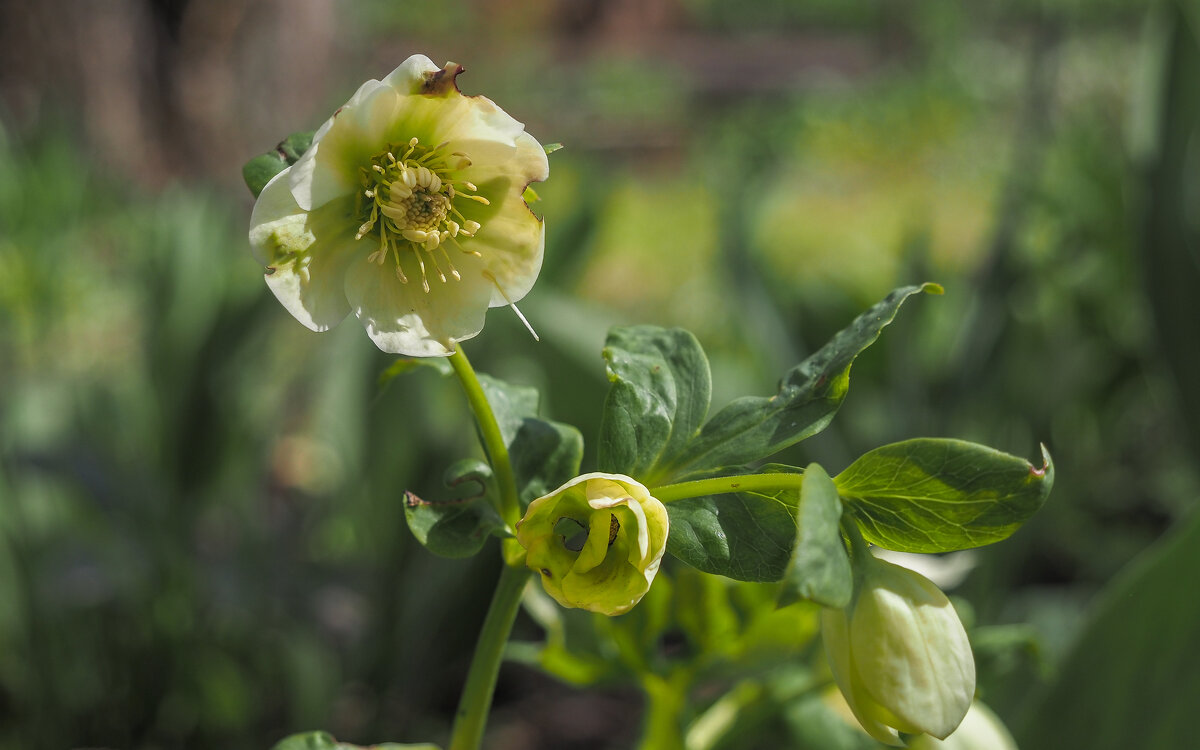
pixel 521 159
pixel 306 255
pixel 348 140
pixel 404 319
pixel 911 650
pixel 512 242
pixel 835 637
pixel 409 76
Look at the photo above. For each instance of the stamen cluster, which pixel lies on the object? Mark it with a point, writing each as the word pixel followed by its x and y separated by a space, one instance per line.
pixel 409 202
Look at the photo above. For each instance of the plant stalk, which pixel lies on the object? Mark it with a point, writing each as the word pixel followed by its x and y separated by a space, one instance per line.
pixel 476 700
pixel 723 485
pixel 489 432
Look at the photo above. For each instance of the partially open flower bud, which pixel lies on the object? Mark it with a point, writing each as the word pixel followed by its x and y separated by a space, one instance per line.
pixel 900 654
pixel 597 542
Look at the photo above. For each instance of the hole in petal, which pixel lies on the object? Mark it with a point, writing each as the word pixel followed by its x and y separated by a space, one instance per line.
pixel 574 534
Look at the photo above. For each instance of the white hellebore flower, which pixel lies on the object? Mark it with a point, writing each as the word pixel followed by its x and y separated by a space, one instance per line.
pixel 408 210
pixel 900 654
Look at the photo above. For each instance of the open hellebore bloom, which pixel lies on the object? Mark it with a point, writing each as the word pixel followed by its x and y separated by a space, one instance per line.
pixel 900 655
pixel 597 541
pixel 408 210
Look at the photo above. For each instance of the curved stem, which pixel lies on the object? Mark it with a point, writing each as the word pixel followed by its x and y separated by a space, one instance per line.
pixel 476 700
pixel 493 441
pixel 722 485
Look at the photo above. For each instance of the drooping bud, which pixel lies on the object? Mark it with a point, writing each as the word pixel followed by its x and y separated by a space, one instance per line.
pixel 597 542
pixel 900 654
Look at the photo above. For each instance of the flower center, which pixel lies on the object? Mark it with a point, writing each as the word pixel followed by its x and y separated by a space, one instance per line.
pixel 408 202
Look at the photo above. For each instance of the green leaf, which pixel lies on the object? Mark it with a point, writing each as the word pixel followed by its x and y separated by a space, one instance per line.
pixel 544 454
pixel 258 171
pixel 819 568
pixel 747 536
pixel 658 400
pixel 511 404
pixel 1137 658
pixel 936 495
pixel 456 528
pixel 752 428
pixel 550 148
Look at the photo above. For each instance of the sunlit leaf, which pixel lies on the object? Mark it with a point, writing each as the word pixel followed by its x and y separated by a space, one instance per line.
pixel 544 454
pixel 747 536
pixel 658 399
pixel 936 495
pixel 820 568
pixel 653 426
pixel 753 428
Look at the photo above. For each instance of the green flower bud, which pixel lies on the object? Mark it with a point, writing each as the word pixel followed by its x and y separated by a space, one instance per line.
pixel 597 542
pixel 900 654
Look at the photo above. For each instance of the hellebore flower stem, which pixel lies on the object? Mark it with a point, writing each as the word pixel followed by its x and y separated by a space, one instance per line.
pixel 493 441
pixel 476 700
pixel 723 485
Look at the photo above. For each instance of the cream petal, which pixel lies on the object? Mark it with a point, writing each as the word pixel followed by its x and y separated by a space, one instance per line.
pixel 523 160
pixel 277 223
pixel 404 319
pixel 410 75
pixel 306 255
pixel 835 637
pixel 512 242
pixel 912 650
pixel 329 168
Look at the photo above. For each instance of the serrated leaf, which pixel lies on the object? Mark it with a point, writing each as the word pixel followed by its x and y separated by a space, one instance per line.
pixel 456 528
pixel 937 495
pixel 820 568
pixel 658 400
pixel 752 428
pixel 747 536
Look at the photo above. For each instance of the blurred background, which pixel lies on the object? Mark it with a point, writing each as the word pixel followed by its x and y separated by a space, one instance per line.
pixel 202 541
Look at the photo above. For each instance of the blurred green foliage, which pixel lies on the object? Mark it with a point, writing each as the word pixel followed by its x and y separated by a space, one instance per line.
pixel 202 541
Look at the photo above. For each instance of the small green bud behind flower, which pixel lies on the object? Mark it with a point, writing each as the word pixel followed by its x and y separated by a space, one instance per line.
pixel 597 542
pixel 900 654
pixel 261 169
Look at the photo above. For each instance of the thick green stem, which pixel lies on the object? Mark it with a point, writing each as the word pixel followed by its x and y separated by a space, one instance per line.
pixel 722 485
pixel 476 699
pixel 493 441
